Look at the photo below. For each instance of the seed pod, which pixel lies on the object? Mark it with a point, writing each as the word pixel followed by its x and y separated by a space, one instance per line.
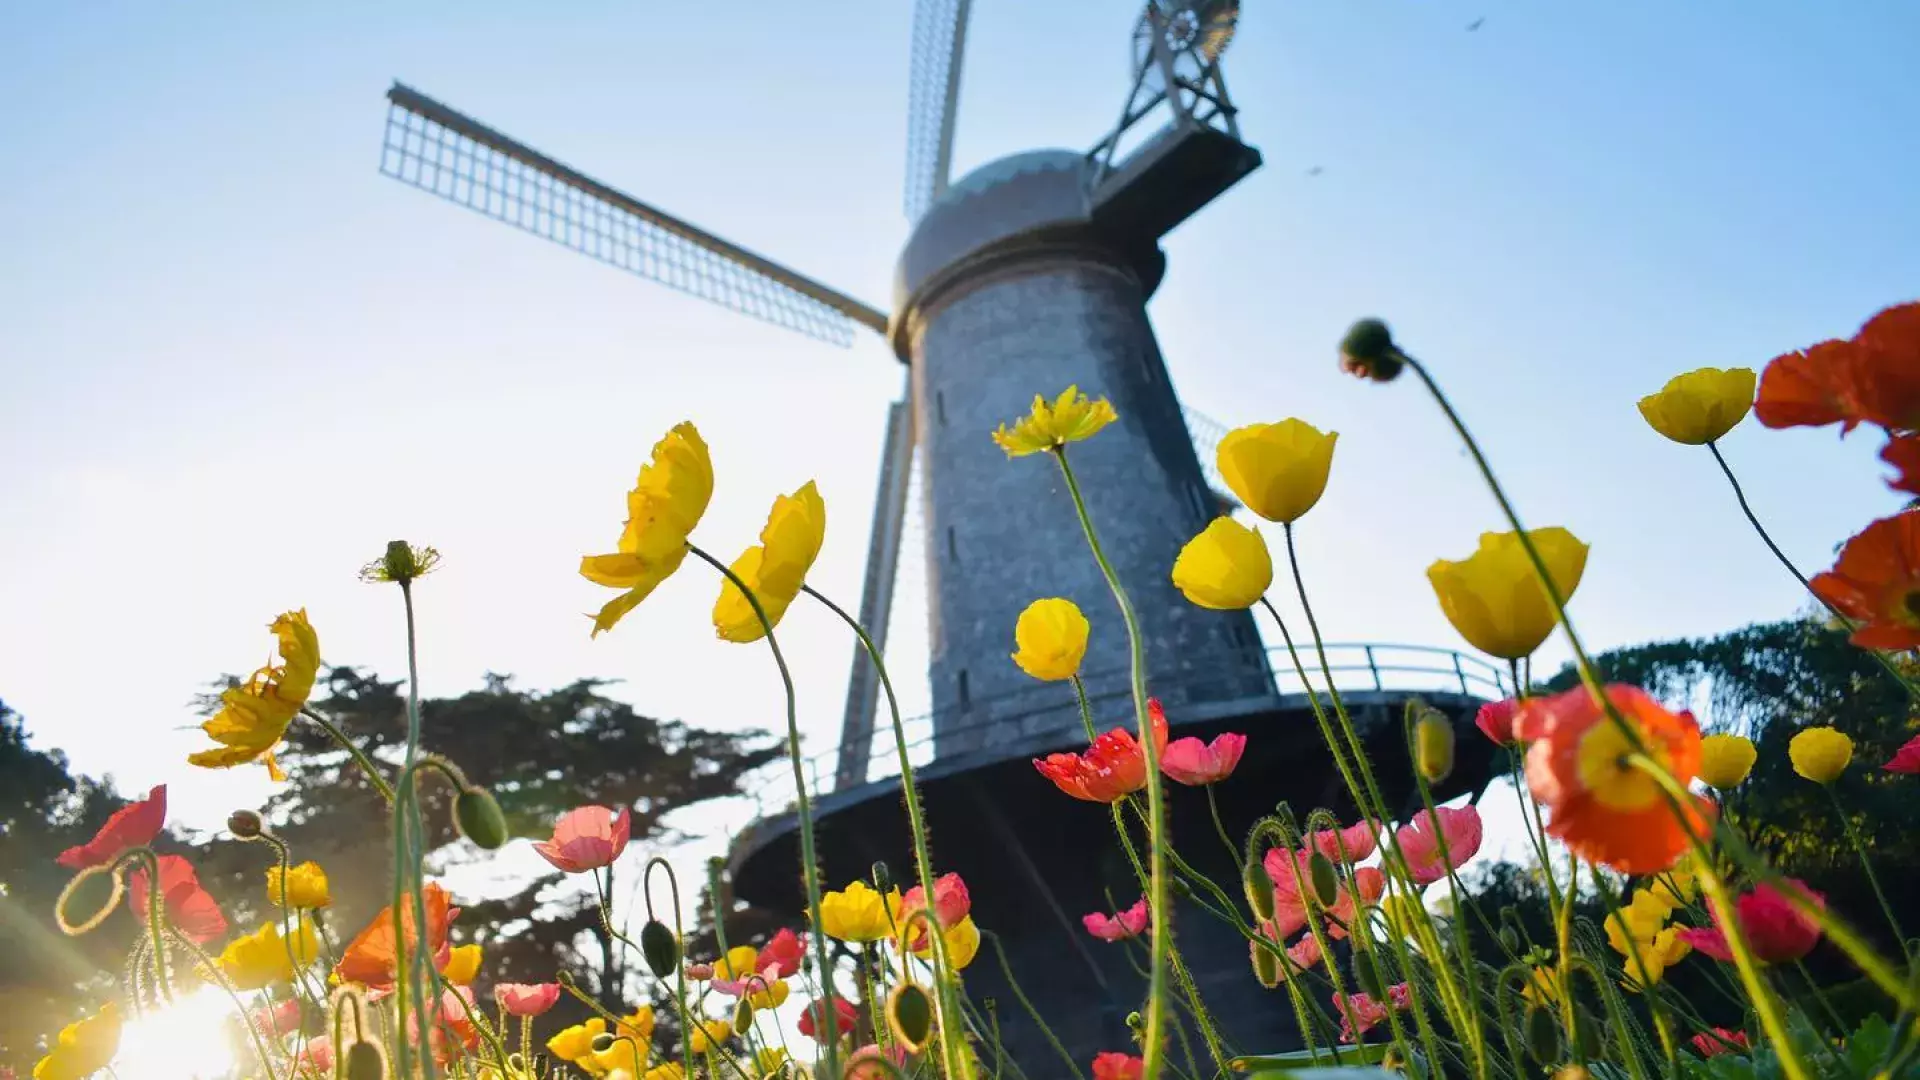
pixel 1259 889
pixel 1266 966
pixel 660 947
pixel 1326 884
pixel 363 1061
pixel 602 1042
pixel 882 878
pixel 478 817
pixel 1586 1034
pixel 743 1015
pixel 244 824
pixel 910 1015
pixel 1433 747
pixel 1543 1036
pixel 1367 973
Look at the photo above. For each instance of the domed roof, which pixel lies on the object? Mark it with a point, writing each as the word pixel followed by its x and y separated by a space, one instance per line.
pixel 1003 169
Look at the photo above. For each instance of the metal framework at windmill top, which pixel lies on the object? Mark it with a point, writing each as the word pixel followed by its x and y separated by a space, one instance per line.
pixel 435 148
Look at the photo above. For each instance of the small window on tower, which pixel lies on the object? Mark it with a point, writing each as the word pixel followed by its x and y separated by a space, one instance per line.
pixel 953 546
pixel 966 697
pixel 1202 501
pixel 940 406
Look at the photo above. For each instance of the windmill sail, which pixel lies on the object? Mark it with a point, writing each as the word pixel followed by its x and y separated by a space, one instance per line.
pixel 933 91
pixel 437 149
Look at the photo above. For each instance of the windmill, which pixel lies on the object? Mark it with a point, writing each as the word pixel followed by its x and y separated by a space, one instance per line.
pixel 1174 148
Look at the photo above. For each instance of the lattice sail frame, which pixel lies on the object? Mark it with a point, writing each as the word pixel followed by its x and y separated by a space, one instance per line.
pixel 438 150
pixel 933 92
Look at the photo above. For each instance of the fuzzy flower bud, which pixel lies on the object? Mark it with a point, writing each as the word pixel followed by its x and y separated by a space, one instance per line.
pixel 244 824
pixel 1369 352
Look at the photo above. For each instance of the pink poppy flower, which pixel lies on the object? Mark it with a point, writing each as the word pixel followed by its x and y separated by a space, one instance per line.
pixel 1774 929
pixel 1194 763
pixel 1304 953
pixel 1495 720
pixel 1371 884
pixel 951 903
pixel 1113 1065
pixel 1906 759
pixel 187 905
pixel 699 972
pixel 845 1013
pixel 1359 839
pixel 133 825
pixel 276 1020
pixel 1360 1013
pixel 864 1064
pixel 1720 1041
pixel 1421 846
pixel 1288 869
pixel 527 999
pixel 783 951
pixel 586 839
pixel 317 1056
pixel 1119 926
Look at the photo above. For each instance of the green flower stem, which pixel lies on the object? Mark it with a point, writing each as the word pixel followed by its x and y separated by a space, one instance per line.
pixel 409 986
pixel 945 1006
pixel 359 756
pixel 1086 708
pixel 1727 919
pixel 1154 1046
pixel 1475 1030
pixel 1866 863
pixel 680 967
pixel 810 866
pixel 219 978
pixel 1219 827
pixel 156 924
pixel 1752 519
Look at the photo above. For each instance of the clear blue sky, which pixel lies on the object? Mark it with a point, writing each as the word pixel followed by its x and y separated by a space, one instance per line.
pixel 234 360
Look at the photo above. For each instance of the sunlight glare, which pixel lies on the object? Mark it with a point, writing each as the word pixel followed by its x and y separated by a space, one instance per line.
pixel 186 1040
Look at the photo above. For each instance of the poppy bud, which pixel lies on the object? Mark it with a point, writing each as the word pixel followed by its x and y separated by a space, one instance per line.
pixel 1586 1034
pixel 244 824
pixel 1433 747
pixel 477 814
pixel 1266 967
pixel 1367 974
pixel 910 1015
pixel 601 1043
pixel 364 1061
pixel 1509 940
pixel 1136 1022
pixel 743 1015
pixel 1259 890
pixel 1326 886
pixel 661 949
pixel 1543 1036
pixel 882 878
pixel 1369 352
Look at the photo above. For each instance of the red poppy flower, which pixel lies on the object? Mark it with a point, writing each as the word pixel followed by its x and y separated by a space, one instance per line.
pixel 1113 1065
pixel 844 1011
pixel 1495 720
pixel 1876 583
pixel 1903 453
pixel 1720 1041
pixel 370 958
pixel 1113 767
pixel 1883 380
pixel 1194 763
pixel 951 903
pixel 1775 930
pixel 1802 389
pixel 1906 759
pixel 188 906
pixel 782 953
pixel 278 1019
pixel 1604 809
pixel 133 825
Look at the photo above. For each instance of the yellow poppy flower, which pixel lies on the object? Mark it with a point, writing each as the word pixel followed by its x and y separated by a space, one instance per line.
pixel 768 1060
pixel 463 964
pixel 737 964
pixel 1676 885
pixel 665 504
pixel 1656 955
pixel 1278 470
pixel 83 1047
pixel 1820 754
pixel 1493 598
pixel 1070 417
pixel 263 958
pixel 1226 567
pixel 638 1024
pixel 1051 636
pixel 1543 987
pixel 963 944
pixel 253 717
pixel 769 996
pixel 1700 406
pixel 575 1043
pixel 670 1070
pixel 709 1034
pixel 859 913
pixel 775 570
pixel 305 886
pixel 1725 760
pixel 624 1054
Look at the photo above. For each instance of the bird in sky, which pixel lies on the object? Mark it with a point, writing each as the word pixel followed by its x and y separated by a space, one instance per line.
pixel 1475 24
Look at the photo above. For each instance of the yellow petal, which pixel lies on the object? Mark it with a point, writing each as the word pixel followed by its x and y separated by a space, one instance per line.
pixel 1225 568
pixel 1700 406
pixel 1494 598
pixel 1278 470
pixel 1051 638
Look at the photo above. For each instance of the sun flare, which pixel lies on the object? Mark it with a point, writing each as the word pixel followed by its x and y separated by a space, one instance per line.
pixel 189 1039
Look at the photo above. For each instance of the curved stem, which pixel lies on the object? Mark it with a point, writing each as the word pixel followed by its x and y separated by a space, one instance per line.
pixel 1866 863
pixel 1752 519
pixel 359 756
pixel 810 866
pixel 1219 827
pixel 1154 1045
pixel 944 1004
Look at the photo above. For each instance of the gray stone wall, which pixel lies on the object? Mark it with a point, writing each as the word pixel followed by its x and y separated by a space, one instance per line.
pixel 1002 533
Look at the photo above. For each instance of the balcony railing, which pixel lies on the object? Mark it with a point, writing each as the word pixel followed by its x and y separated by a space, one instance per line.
pixel 1358 667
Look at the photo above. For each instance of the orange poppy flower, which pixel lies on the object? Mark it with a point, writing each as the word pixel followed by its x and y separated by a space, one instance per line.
pixel 1903 453
pixel 1872 377
pixel 1113 767
pixel 1876 583
pixel 369 960
pixel 1605 810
